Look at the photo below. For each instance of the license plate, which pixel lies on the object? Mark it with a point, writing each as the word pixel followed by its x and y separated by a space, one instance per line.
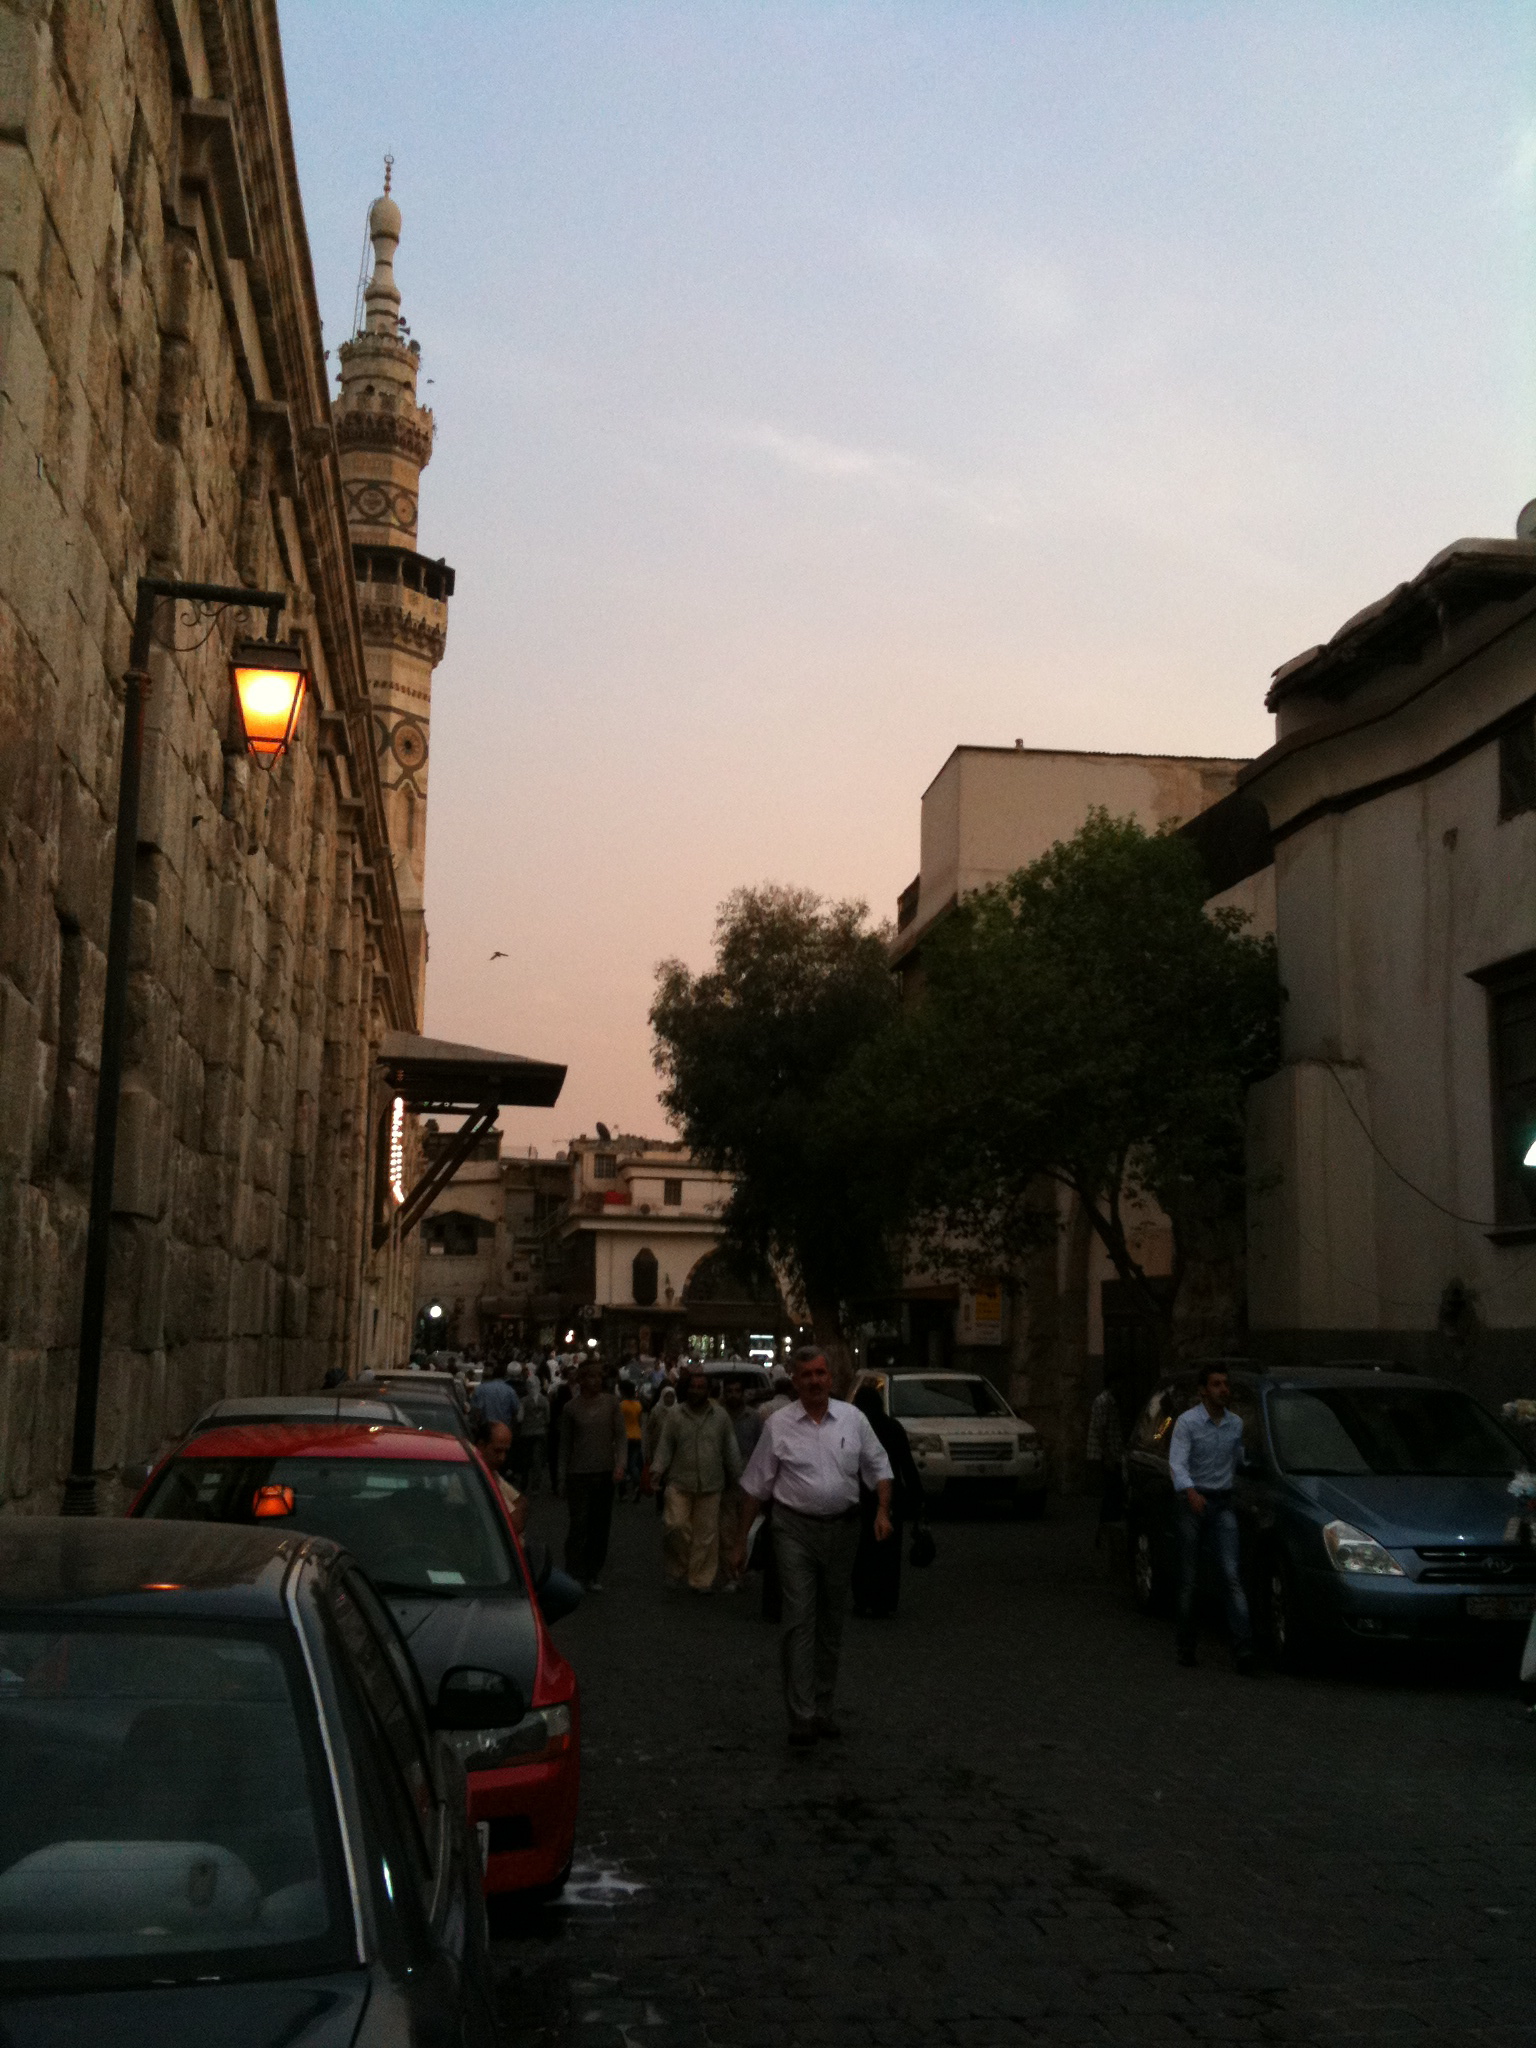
pixel 1501 1606
pixel 483 1837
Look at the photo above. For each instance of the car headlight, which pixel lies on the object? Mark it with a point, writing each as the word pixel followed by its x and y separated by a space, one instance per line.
pixel 1351 1550
pixel 925 1445
pixel 543 1733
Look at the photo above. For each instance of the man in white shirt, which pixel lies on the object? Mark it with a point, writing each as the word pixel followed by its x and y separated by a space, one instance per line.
pixel 808 1464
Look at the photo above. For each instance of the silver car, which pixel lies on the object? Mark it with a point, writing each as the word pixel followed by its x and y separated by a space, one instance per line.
pixel 966 1440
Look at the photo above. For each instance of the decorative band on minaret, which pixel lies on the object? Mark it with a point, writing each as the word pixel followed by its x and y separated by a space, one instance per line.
pixel 385 442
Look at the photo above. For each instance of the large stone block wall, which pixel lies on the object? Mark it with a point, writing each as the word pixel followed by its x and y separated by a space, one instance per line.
pixel 163 411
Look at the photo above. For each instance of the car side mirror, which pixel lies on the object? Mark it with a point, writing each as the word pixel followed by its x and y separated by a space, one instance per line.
pixel 470 1698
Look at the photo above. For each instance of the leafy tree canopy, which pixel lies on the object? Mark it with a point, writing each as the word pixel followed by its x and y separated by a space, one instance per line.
pixel 755 1057
pixel 1088 1023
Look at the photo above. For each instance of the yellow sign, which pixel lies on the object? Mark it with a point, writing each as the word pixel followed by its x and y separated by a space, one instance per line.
pixel 980 1320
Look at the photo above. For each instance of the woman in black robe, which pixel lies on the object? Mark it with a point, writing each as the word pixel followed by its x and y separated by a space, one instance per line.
pixel 877 1567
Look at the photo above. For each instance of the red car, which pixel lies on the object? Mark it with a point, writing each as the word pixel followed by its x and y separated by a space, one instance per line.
pixel 425 1520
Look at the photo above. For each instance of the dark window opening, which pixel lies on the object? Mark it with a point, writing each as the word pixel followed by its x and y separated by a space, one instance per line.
pixel 672 1194
pixel 642 1278
pixel 1512 1016
pixel 1517 769
pixel 605 1166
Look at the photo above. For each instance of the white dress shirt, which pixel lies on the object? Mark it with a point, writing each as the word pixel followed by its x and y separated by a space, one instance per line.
pixel 814 1468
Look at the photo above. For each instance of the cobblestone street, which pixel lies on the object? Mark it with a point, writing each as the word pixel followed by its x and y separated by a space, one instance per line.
pixel 1037 1829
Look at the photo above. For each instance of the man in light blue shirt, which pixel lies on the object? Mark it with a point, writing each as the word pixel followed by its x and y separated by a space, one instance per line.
pixel 1204 1454
pixel 496 1398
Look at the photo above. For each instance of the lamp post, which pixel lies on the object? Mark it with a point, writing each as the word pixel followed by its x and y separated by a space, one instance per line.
pixel 261 659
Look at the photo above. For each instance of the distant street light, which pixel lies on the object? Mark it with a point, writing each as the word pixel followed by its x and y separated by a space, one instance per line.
pixel 268 717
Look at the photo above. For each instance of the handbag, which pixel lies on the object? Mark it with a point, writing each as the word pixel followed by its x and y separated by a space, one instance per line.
pixel 923 1548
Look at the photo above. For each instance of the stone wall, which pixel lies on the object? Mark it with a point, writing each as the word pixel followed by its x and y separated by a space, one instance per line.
pixel 163 411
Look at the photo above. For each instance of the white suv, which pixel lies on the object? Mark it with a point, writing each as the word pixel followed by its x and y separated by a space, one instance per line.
pixel 965 1438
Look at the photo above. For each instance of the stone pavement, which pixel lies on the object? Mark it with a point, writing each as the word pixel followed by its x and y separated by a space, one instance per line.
pixel 1037 1829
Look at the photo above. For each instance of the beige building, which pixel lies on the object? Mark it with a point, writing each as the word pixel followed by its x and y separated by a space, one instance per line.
pixel 489 1254
pixel 164 411
pixel 1390 1212
pixel 1046 1334
pixel 642 1265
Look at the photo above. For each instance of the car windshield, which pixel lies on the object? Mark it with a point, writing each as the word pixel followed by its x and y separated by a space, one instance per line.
pixel 1342 1432
pixel 163 1816
pixel 414 1526
pixel 937 1398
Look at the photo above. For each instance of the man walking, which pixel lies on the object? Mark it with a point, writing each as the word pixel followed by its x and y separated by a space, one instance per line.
pixel 591 1465
pixel 495 1399
pixel 1105 1448
pixel 533 1434
pixel 695 1460
pixel 747 1425
pixel 808 1464
pixel 1204 1453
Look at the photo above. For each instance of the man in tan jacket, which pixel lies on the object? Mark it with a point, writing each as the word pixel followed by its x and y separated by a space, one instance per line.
pixel 696 1458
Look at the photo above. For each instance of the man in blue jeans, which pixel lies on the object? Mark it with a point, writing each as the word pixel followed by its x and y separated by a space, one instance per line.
pixel 1205 1452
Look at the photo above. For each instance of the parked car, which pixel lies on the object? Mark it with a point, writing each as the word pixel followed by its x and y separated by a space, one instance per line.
pixel 227 1813
pixel 1376 1510
pixel 430 1400
pixel 966 1441
pixel 420 1514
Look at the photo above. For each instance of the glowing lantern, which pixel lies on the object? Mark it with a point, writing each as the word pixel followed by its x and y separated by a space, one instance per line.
pixel 269 684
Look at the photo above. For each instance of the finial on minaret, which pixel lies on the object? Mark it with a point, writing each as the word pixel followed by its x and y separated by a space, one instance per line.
pixel 382 298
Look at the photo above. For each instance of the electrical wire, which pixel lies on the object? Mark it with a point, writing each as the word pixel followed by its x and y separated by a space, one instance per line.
pixel 1473 1222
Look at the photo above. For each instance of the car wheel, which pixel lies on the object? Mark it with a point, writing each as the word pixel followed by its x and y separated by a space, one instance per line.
pixel 1147 1589
pixel 1289 1637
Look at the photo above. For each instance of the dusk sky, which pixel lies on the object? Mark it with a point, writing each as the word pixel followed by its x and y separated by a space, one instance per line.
pixel 821 387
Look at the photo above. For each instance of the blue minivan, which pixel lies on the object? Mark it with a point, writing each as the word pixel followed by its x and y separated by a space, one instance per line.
pixel 1376 1509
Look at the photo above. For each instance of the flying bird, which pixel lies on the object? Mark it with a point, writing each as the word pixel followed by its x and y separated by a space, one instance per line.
pixel 498 956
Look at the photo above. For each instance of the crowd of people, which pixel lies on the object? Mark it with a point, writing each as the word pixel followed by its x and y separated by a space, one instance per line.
pixel 779 1477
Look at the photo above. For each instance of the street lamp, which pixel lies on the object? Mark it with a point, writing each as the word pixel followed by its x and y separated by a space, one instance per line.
pixel 266 737
pixel 269 690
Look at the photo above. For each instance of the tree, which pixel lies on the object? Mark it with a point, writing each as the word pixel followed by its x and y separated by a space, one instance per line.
pixel 1088 1023
pixel 756 1057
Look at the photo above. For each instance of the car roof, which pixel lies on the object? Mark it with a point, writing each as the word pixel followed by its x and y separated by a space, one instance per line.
pixel 1340 1374
pixel 297 1408
pixel 178 1570
pixel 932 1372
pixel 327 1440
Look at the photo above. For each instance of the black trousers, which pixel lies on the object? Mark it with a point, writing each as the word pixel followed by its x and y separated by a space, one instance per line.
pixel 589 1496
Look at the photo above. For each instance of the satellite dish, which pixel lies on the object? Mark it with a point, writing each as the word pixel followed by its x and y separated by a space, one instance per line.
pixel 1525 525
pixel 604 1133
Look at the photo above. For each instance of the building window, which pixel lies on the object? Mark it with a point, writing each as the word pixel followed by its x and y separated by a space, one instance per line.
pixel 454 1236
pixel 1517 769
pixel 605 1166
pixel 642 1278
pixel 672 1194
pixel 1512 1019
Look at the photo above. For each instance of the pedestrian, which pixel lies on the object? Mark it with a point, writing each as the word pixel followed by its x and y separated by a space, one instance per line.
pixel 496 1398
pixel 634 1425
pixel 696 1459
pixel 493 1440
pixel 877 1565
pixel 560 1392
pixel 1204 1453
pixel 808 1464
pixel 666 1400
pixel 781 1394
pixel 1105 1450
pixel 591 1465
pixel 533 1435
pixel 748 1427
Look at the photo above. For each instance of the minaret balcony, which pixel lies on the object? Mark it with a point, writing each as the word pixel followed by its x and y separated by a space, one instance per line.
pixel 403 599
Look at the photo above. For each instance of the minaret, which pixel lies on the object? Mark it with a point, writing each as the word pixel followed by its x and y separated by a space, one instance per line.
pixel 385 442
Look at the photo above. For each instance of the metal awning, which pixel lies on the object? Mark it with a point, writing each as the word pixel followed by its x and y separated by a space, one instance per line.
pixel 433 1076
